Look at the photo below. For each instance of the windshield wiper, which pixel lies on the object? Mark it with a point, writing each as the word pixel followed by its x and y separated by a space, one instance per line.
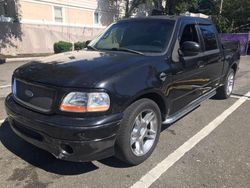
pixel 127 50
pixel 91 48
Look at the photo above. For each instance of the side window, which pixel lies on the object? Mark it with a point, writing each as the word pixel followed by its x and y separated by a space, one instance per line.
pixel 189 34
pixel 7 9
pixel 209 37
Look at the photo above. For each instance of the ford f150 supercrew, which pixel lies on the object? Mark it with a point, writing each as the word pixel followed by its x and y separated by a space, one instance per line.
pixel 113 97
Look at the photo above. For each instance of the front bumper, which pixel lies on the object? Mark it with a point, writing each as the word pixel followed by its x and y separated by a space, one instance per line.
pixel 68 138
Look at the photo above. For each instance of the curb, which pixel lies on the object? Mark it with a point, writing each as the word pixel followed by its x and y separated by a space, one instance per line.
pixel 22 59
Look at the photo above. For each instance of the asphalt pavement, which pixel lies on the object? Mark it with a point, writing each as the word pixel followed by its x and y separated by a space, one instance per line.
pixel 209 147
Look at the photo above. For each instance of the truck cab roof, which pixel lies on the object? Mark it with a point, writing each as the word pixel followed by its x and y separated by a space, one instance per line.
pixel 197 20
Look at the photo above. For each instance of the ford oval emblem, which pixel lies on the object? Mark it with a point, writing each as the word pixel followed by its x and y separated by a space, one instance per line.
pixel 29 93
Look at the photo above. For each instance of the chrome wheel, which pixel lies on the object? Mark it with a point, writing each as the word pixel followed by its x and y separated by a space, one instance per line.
pixel 144 132
pixel 230 83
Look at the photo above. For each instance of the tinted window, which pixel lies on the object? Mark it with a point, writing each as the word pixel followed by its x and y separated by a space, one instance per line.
pixel 189 34
pixel 209 37
pixel 140 35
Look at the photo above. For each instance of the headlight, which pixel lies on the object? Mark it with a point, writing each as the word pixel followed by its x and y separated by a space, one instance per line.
pixel 85 102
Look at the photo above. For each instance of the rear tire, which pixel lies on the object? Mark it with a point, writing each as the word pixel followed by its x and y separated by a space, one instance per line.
pixel 139 132
pixel 226 90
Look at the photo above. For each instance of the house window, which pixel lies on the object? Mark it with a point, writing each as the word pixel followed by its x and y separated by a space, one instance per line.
pixel 3 8
pixel 58 11
pixel 8 9
pixel 96 18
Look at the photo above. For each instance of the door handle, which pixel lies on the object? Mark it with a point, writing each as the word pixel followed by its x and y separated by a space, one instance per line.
pixel 200 64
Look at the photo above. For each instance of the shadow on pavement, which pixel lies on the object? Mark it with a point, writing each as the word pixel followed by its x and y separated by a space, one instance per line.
pixel 166 126
pixel 40 158
pixel 240 95
pixel 44 160
pixel 114 162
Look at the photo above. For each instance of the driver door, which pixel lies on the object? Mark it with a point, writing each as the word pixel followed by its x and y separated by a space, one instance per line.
pixel 187 71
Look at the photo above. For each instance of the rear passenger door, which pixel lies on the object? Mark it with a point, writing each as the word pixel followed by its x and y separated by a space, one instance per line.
pixel 212 55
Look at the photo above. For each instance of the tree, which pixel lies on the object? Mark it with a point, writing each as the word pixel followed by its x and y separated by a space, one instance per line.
pixel 171 7
pixel 209 7
pixel 237 13
pixel 158 4
pixel 10 31
pixel 175 7
pixel 222 24
pixel 129 6
pixel 234 16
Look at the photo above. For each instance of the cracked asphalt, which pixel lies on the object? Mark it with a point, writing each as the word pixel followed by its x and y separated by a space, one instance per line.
pixel 222 159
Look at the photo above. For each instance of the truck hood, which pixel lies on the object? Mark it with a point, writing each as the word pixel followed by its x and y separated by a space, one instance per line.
pixel 78 68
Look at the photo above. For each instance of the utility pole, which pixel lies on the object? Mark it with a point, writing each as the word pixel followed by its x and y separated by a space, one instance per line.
pixel 221 6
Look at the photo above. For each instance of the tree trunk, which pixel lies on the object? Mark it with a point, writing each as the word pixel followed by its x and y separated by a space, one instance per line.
pixel 133 5
pixel 169 7
pixel 158 4
pixel 126 9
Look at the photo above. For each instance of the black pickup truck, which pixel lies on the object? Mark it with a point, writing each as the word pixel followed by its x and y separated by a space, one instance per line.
pixel 113 97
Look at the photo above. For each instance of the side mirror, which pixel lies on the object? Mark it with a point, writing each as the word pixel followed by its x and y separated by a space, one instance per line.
pixel 190 48
pixel 87 42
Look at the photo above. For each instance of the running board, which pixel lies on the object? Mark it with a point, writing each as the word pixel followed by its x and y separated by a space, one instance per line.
pixel 189 108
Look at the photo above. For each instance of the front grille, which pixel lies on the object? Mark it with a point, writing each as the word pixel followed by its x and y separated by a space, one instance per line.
pixel 37 97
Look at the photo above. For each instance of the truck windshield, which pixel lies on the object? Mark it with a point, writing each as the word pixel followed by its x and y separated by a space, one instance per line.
pixel 133 36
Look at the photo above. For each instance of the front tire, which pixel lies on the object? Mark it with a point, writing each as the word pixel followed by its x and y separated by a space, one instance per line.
pixel 226 90
pixel 139 132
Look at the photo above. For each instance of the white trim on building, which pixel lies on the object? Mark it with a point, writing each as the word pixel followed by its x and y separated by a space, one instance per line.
pixel 40 22
pixel 66 5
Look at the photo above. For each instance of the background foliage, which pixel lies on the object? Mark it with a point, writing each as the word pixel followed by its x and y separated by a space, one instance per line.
pixel 79 45
pixel 234 15
pixel 62 46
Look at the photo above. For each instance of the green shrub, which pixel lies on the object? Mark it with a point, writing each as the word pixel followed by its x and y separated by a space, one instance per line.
pixel 79 45
pixel 62 46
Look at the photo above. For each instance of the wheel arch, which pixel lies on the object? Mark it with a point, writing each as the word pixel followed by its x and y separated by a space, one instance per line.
pixel 234 66
pixel 157 98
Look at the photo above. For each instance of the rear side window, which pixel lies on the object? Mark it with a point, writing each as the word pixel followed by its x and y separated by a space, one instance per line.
pixel 209 37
